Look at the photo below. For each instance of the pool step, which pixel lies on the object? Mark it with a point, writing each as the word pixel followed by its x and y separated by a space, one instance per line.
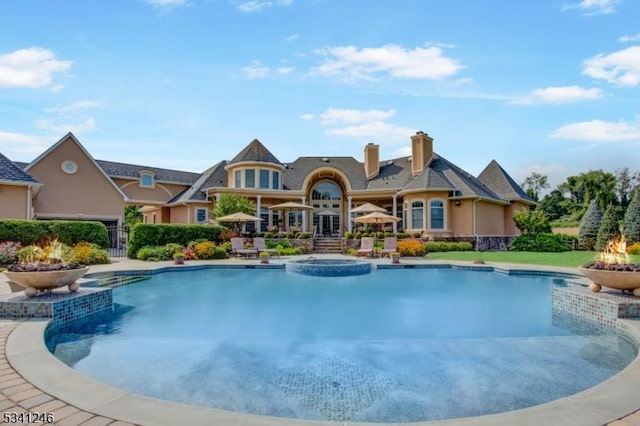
pixel 119 281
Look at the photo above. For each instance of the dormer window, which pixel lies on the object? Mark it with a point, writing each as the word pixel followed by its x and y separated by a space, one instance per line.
pixel 147 180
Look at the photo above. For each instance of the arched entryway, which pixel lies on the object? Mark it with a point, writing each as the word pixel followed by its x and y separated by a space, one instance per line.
pixel 326 199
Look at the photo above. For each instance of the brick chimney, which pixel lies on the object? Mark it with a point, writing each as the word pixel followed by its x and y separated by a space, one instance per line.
pixel 371 160
pixel 421 151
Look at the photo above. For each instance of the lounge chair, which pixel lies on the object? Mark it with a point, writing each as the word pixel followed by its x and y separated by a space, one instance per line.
pixel 390 246
pixel 366 247
pixel 238 249
pixel 259 244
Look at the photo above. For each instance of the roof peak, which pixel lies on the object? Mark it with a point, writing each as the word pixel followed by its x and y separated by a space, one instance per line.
pixel 255 151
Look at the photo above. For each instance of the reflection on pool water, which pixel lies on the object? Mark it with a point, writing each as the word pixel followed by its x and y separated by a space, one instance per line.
pixel 390 346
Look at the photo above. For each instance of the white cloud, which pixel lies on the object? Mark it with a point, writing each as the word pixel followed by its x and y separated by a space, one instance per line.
pixel 259 5
pixel 256 70
pixel 557 95
pixel 372 125
pixel 352 63
pixel 19 144
pixel 32 67
pixel 621 68
pixel 336 115
pixel 629 38
pixel 599 131
pixel 292 37
pixel 284 70
pixel 85 126
pixel 74 108
pixel 594 7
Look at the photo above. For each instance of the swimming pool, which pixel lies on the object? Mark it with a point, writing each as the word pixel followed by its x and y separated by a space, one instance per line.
pixel 391 346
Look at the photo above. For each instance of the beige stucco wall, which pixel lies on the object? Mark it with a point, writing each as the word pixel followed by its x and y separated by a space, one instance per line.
pixel 462 218
pixel 87 194
pixel 426 198
pixel 161 192
pixel 13 202
pixel 489 218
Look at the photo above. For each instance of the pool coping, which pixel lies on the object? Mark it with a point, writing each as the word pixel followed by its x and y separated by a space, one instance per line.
pixel 29 356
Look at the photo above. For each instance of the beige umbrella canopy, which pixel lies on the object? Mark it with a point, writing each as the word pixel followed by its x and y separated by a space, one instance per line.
pixel 290 205
pixel 237 217
pixel 377 217
pixel 368 208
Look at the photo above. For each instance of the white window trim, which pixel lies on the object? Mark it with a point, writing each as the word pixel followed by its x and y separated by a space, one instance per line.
pixel 444 214
pixel 151 176
pixel 424 213
pixel 195 215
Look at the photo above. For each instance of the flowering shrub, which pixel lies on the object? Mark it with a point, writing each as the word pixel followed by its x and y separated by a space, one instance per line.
pixel 9 252
pixel 631 249
pixel 88 254
pixel 205 250
pixel 411 247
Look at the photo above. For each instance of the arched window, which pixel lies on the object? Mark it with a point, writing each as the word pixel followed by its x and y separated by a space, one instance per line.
pixel 417 215
pixel 436 214
pixel 326 191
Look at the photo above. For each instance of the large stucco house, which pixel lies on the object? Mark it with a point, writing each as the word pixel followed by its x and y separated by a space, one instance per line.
pixel 429 193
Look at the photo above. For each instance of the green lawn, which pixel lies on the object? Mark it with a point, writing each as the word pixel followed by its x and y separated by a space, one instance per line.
pixel 569 258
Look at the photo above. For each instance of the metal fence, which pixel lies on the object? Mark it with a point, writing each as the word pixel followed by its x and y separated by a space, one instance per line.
pixel 118 237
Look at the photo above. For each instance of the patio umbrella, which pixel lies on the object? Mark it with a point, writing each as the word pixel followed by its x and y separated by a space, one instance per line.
pixel 368 208
pixel 236 220
pixel 377 217
pixel 290 206
pixel 327 213
pixel 237 217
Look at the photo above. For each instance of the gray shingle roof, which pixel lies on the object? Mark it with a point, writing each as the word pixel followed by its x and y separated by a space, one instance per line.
pixel 122 170
pixel 297 171
pixel 394 174
pixel 255 151
pixel 13 173
pixel 499 180
pixel 213 176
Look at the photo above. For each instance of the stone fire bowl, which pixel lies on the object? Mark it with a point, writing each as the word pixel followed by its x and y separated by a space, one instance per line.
pixel 32 282
pixel 618 280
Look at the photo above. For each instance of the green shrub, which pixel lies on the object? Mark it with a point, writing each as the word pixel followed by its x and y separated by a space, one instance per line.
pixel 539 243
pixel 220 252
pixel 174 248
pixel 609 228
pixel 348 235
pixel 161 234
pixel 351 251
pixel 436 246
pixel 289 251
pixel 569 240
pixel 153 253
pixel 305 235
pixel 69 232
pixel 634 249
pixel 631 219
pixel 532 221
pixel 589 226
pixel 402 235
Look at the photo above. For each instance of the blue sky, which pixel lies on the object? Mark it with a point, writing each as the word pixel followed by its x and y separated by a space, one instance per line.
pixel 551 86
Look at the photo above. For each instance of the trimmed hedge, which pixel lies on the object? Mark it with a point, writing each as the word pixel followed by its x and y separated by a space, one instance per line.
pixel 434 246
pixel 69 232
pixel 539 243
pixel 143 235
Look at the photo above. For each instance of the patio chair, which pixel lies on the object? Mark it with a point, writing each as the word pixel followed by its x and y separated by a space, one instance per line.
pixel 366 247
pixel 259 244
pixel 390 246
pixel 238 249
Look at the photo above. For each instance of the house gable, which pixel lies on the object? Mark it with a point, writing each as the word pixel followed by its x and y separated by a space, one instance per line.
pixel 74 184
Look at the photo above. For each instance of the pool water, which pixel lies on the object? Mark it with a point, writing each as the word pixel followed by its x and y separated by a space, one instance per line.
pixel 390 346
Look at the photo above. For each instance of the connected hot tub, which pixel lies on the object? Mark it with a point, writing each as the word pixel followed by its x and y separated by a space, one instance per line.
pixel 329 267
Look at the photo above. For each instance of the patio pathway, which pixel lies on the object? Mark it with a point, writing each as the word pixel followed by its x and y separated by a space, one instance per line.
pixel 17 395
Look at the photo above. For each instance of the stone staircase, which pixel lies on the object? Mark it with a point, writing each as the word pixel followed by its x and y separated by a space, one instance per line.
pixel 327 245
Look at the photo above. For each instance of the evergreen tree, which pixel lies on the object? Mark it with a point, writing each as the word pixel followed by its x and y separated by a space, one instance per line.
pixel 609 228
pixel 589 226
pixel 632 219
